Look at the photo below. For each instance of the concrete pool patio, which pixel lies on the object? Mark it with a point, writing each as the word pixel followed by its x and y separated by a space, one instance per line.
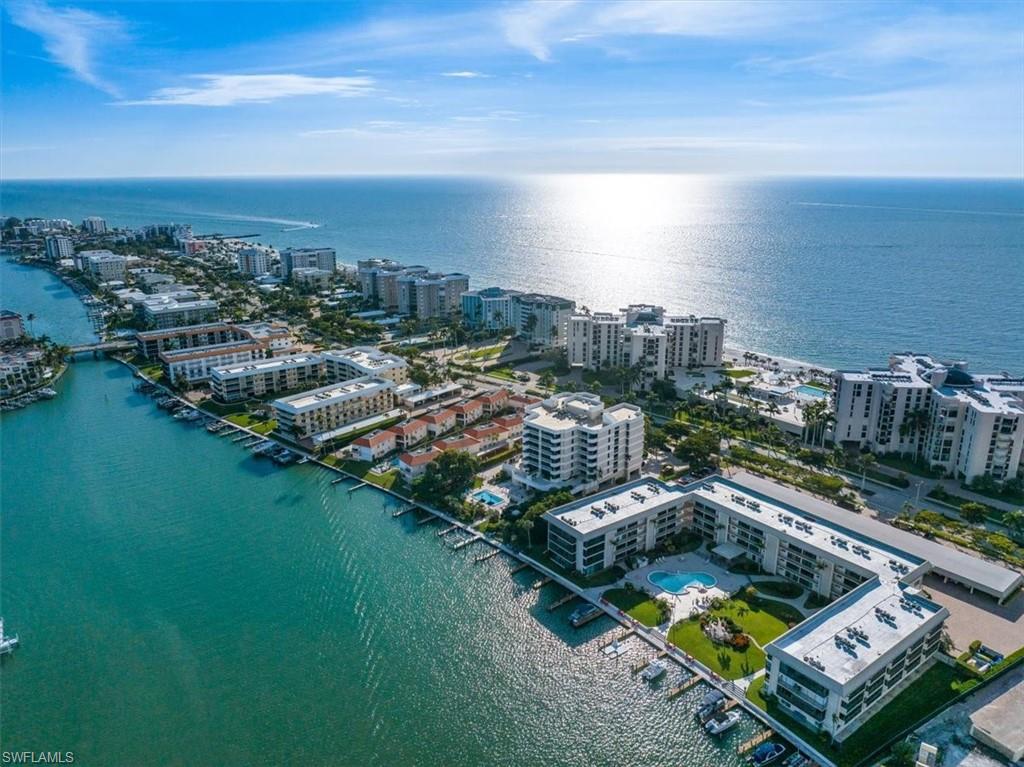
pixel 693 599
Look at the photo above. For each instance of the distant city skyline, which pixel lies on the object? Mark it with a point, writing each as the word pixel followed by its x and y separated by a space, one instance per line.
pixel 273 88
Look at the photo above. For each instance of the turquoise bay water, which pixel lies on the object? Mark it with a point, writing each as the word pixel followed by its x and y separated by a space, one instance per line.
pixel 835 271
pixel 181 602
pixel 59 313
pixel 677 582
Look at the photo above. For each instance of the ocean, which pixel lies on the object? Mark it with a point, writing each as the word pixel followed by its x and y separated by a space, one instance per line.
pixel 840 272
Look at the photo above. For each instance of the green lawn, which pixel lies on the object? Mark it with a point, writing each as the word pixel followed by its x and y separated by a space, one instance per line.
pixel 932 691
pixel 735 373
pixel 153 372
pixel 637 605
pixel 723 660
pixel 908 465
pixel 364 470
pixel 220 409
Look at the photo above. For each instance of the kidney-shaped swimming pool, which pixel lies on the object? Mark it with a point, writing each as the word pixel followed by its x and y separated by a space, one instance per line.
pixel 678 582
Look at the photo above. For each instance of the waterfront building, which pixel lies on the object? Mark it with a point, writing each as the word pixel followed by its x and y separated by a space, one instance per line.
pixel 493 401
pixel 573 441
pixel 427 295
pixel 195 365
pixel 378 279
pixel 440 421
pixel 323 259
pixel 463 443
pixel 359 361
pixel 253 260
pixel 59 247
pixel 81 258
pixel 414 463
pixel 374 446
pixel 468 411
pixel 256 379
pixel 11 325
pixel 21 369
pixel 409 433
pixel 415 397
pixel 312 278
pixel 164 311
pixel 329 407
pixel 39 226
pixel 94 225
pixel 104 266
pixel 599 531
pixel 274 338
pixel 519 402
pixel 644 336
pixel 490 436
pixel 967 425
pixel 542 320
pixel 489 308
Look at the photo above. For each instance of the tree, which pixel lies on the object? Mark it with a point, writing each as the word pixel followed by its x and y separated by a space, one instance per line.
pixel 866 462
pixel 547 380
pixel 1014 520
pixel 973 512
pixel 903 755
pixel 31 319
pixel 446 478
pixel 915 423
pixel 697 449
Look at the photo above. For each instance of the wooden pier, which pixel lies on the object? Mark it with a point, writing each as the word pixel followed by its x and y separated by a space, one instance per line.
pixel 488 555
pixel 519 568
pixel 620 638
pixel 542 582
pixel 338 480
pixel 638 667
pixel 564 600
pixel 755 741
pixel 400 512
pixel 466 542
pixel 426 519
pixel 245 435
pixel 449 529
pixel 680 689
pixel 353 489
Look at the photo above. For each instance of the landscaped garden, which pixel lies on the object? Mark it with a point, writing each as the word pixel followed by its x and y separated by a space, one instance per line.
pixel 934 525
pixel 640 605
pixel 389 480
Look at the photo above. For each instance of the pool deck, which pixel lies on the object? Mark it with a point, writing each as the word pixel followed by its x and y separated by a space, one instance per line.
pixel 684 605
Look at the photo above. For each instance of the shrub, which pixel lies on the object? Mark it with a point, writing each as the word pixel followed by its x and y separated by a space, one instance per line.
pixel 739 642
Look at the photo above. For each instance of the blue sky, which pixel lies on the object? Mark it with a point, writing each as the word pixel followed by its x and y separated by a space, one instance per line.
pixel 189 88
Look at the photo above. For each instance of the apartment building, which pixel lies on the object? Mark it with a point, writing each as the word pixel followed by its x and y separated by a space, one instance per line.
pixel 11 325
pixel 104 266
pixel 195 365
pixel 409 433
pixel 59 247
pixel 596 532
pixel 440 421
pixel 94 225
pixel 489 308
pixel 330 407
pixel 255 260
pixel 468 411
pixel 427 295
pixel 20 370
pixel 374 446
pixel 163 311
pixel 323 259
pixel 966 425
pixel 378 280
pixel 542 320
pixel 643 335
pixel 493 401
pixel 414 463
pixel 359 361
pixel 267 376
pixel 149 343
pixel 573 441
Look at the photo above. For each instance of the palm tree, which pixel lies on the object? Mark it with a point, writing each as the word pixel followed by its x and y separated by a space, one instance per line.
pixel 915 423
pixel 866 461
pixel 31 319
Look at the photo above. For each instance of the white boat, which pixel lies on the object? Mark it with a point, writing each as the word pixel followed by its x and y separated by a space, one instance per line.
pixel 7 643
pixel 721 722
pixel 615 649
pixel 654 669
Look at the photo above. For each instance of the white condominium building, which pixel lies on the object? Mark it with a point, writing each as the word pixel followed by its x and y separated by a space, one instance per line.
pixel 58 246
pixel 330 407
pixel 378 278
pixel 255 379
pixel 428 295
pixel 542 320
pixel 254 260
pixel 966 425
pixel 104 266
pixel 572 441
pixel 596 532
pixel 163 311
pixel 490 308
pixel 645 336
pixel 359 361
pixel 94 225
pixel 196 364
pixel 323 259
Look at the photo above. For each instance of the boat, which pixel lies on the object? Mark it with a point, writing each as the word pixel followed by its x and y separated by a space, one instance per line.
pixel 583 614
pixel 615 649
pixel 767 753
pixel 264 447
pixel 7 643
pixel 46 393
pixel 722 721
pixel 711 704
pixel 654 669
pixel 796 760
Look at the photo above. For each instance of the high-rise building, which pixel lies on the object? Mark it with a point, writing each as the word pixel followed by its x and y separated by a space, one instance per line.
pixel 966 425
pixel 644 336
pixel 541 319
pixel 94 225
pixel 59 247
pixel 307 258
pixel 254 260
pixel 104 266
pixel 427 295
pixel 489 308
pixel 378 278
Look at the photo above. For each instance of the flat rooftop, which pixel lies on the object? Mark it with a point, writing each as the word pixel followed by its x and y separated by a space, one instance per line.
pixel 615 506
pixel 366 357
pixel 1001 719
pixel 810 531
pixel 848 636
pixel 567 411
pixel 266 366
pixel 332 394
pixel 989 577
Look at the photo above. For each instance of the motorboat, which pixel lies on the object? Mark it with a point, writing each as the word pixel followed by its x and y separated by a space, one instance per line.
pixel 767 753
pixel 583 614
pixel 654 669
pixel 711 704
pixel 7 643
pixel 796 760
pixel 722 721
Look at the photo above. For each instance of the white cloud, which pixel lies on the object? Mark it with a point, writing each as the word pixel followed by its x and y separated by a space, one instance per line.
pixel 73 38
pixel 227 90
pixel 464 74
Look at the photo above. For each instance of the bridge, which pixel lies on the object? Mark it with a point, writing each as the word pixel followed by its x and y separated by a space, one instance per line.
pixel 103 346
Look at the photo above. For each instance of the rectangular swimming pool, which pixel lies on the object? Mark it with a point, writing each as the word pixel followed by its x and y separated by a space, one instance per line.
pixel 488 498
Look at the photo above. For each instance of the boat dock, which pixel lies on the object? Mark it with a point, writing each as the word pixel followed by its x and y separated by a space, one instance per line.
pixel 542 582
pixel 466 542
pixel 339 480
pixel 638 667
pixel 243 437
pixel 620 638
pixel 449 529
pixel 402 512
pixel 681 688
pixel 755 741
pixel 563 600
pixel 519 568
pixel 426 519
pixel 353 489
pixel 490 554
